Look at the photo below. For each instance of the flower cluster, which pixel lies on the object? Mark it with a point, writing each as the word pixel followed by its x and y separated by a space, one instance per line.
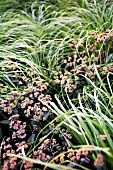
pixel 69 68
pixel 32 99
pixel 10 164
pixel 9 103
pixel 9 146
pixel 82 157
pixel 99 163
pixel 105 36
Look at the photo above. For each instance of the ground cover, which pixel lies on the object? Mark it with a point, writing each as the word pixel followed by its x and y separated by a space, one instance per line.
pixel 56 85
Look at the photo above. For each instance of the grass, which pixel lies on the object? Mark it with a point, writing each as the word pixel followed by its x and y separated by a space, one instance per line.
pixel 62 49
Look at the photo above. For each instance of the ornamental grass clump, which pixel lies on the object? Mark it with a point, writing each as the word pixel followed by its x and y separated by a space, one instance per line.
pixel 16 74
pixel 56 85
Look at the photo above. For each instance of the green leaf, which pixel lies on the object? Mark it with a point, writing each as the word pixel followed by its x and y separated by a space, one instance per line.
pixel 110 57
pixel 0 133
pixel 31 138
pixel 15 111
pixel 5 122
pixel 46 116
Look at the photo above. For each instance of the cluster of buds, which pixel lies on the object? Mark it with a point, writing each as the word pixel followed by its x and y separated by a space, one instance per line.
pixel 99 162
pixel 47 149
pixel 76 43
pixel 11 163
pixel 9 103
pixel 71 154
pixel 80 156
pixel 10 99
pixel 41 152
pixel 19 146
pixel 91 47
pixel 73 43
pixel 42 156
pixel 73 65
pixel 88 71
pixel 18 127
pixel 7 147
pixel 107 69
pixel 21 134
pixel 35 107
pixel 83 60
pixel 15 94
pixel 67 135
pixel 66 63
pixel 68 76
pixel 80 153
pixel 27 165
pixel 107 35
pixel 65 80
pixel 33 100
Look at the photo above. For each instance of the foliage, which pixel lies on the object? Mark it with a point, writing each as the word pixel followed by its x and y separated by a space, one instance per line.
pixel 56 100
